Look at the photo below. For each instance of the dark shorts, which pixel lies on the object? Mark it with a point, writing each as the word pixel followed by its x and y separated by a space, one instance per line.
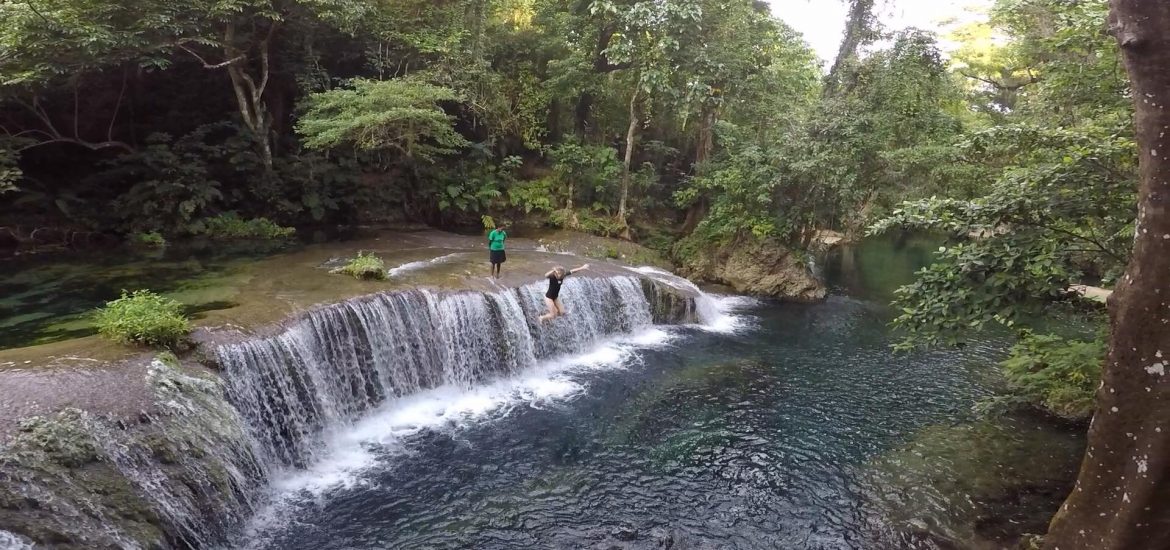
pixel 497 256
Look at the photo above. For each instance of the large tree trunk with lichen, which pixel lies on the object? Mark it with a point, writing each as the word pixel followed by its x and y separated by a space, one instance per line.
pixel 1122 497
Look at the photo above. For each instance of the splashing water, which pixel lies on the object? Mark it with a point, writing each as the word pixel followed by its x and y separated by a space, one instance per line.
pixel 414 266
pixel 716 313
pixel 342 361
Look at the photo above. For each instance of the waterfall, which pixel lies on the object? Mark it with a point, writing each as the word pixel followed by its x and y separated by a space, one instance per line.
pixel 709 312
pixel 337 362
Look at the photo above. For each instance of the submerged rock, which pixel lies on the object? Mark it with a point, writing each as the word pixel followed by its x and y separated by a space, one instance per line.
pixel 763 268
pixel 980 486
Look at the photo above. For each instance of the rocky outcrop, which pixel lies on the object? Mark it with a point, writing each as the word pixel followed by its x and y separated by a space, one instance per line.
pixel 763 268
pixel 670 305
pixel 179 476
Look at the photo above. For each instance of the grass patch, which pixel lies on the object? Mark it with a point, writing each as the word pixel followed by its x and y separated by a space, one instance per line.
pixel 230 226
pixel 143 317
pixel 365 266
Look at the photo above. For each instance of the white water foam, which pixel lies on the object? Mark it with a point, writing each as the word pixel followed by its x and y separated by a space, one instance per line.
pixel 414 266
pixel 716 312
pixel 449 407
pixel 384 432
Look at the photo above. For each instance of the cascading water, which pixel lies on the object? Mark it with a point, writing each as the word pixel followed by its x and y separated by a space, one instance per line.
pixel 340 361
pixel 710 312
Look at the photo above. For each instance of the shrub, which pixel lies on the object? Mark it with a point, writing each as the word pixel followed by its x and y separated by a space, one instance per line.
pixel 1056 374
pixel 152 238
pixel 143 317
pixel 364 266
pixel 230 226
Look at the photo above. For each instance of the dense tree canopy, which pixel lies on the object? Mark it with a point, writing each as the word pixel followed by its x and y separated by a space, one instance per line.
pixel 1054 201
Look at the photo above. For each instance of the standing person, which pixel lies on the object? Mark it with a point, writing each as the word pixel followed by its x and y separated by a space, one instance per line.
pixel 552 298
pixel 496 248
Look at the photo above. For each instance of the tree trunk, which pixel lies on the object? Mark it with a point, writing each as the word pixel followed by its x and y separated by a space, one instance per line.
pixel 631 136
pixel 581 113
pixel 703 150
pixel 695 215
pixel 859 29
pixel 1122 497
pixel 706 144
pixel 250 93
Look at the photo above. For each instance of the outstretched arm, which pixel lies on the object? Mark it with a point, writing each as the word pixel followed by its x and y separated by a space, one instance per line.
pixel 550 273
pixel 582 268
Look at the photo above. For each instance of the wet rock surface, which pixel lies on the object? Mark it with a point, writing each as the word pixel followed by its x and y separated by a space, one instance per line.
pixel 178 476
pixel 762 268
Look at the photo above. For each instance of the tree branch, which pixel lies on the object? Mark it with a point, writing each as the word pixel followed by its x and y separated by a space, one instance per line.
pixel 207 65
pixel 76 106
pixel 1000 85
pixel 91 146
pixel 117 107
pixel 37 111
pixel 264 61
pixel 38 13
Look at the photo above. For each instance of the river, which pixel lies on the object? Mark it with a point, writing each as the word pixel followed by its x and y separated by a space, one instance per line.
pixel 776 426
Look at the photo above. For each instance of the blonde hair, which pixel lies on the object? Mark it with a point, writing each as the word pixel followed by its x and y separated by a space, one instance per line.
pixel 560 269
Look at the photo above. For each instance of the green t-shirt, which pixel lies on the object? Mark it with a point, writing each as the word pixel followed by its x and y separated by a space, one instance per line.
pixel 496 239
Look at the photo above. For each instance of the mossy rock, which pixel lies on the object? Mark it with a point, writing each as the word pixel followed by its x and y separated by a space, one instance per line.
pixel 63 438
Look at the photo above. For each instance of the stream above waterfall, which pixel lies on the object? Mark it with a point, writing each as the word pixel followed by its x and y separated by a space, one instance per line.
pixel 791 426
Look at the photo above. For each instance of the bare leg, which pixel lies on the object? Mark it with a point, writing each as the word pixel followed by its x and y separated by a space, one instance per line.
pixel 552 310
pixel 560 307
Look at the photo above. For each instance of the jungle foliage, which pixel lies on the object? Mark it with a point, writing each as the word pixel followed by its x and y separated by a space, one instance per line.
pixel 686 124
pixel 624 117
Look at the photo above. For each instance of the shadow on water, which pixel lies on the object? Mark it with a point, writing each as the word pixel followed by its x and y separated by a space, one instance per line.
pixel 875 268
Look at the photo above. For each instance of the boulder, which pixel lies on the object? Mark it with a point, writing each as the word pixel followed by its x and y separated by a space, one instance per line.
pixel 759 267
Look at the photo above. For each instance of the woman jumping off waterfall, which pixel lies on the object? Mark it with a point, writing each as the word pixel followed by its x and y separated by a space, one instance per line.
pixel 553 297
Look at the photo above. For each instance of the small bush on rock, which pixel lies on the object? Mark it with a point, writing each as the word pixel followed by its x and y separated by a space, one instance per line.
pixel 365 266
pixel 152 238
pixel 143 317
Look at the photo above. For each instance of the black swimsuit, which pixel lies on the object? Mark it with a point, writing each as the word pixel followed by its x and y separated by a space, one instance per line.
pixel 554 286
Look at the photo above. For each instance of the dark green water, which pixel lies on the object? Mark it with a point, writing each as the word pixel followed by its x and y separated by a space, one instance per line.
pixel 801 429
pixel 49 297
